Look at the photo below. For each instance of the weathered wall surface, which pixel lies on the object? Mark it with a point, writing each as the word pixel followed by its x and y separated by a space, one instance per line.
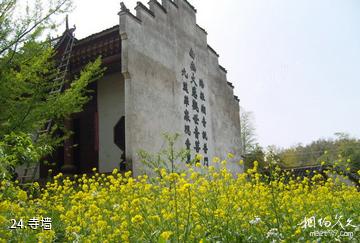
pixel 173 83
pixel 111 108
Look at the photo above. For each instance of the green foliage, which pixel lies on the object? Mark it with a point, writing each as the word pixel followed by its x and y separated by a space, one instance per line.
pixel 18 149
pixel 22 22
pixel 255 154
pixel 27 73
pixel 344 151
pixel 351 151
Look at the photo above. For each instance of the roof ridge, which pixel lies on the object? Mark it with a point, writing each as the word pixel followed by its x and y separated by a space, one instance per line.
pixel 89 37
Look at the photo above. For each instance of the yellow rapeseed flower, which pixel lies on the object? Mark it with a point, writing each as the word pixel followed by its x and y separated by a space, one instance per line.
pixel 166 235
pixel 22 195
pixel 137 219
pixel 111 208
pixel 198 157
pixel 216 160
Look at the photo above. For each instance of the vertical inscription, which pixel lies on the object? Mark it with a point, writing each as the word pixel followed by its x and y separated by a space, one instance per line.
pixel 195 117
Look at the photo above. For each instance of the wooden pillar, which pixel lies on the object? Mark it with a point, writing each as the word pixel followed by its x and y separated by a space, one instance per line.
pixel 69 166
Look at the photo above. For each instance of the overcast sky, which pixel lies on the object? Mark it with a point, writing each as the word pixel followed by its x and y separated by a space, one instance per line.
pixel 295 64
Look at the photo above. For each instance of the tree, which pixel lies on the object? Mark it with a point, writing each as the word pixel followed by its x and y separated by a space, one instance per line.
pixel 248 137
pixel 344 151
pixel 27 72
pixel 255 154
pixel 349 150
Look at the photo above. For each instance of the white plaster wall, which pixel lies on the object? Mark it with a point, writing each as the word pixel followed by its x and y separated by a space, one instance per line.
pixel 110 99
pixel 154 51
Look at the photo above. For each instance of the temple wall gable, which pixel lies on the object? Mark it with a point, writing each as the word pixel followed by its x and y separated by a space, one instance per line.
pixel 174 83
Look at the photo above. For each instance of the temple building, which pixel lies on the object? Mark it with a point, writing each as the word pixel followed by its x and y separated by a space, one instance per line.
pixel 161 76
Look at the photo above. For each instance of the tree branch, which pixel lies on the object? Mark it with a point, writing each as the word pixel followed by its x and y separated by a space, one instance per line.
pixel 35 25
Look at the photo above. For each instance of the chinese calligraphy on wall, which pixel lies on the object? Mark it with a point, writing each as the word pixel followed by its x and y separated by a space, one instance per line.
pixel 195 109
